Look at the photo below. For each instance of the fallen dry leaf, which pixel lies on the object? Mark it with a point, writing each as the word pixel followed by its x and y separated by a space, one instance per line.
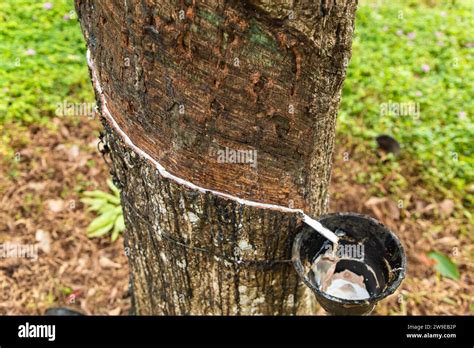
pixel 105 262
pixel 44 240
pixel 446 207
pixel 383 208
pixel 425 260
pixel 55 205
pixel 115 311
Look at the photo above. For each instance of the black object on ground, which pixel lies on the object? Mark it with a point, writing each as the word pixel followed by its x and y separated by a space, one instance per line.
pixel 62 311
pixel 388 144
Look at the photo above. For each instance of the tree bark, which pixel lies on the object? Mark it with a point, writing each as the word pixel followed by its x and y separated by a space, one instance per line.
pixel 184 86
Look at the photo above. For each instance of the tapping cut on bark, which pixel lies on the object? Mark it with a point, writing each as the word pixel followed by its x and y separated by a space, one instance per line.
pixel 184 80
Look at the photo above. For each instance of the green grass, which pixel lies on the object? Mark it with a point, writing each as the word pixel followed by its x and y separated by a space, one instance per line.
pixel 42 60
pixel 386 67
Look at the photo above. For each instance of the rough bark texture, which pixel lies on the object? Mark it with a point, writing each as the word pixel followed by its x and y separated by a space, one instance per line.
pixel 185 79
pixel 201 254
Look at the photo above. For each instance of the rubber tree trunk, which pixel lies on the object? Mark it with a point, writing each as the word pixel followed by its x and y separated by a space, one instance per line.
pixel 219 117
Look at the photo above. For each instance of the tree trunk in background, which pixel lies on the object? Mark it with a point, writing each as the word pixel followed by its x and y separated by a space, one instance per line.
pixel 190 83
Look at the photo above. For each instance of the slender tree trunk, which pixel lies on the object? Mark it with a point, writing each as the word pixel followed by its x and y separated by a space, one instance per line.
pixel 219 116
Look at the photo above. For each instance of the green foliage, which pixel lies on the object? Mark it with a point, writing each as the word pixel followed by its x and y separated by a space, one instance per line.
pixel 393 42
pixel 444 265
pixel 42 60
pixel 107 206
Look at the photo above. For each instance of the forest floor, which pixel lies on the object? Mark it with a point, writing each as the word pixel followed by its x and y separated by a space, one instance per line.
pixel 41 205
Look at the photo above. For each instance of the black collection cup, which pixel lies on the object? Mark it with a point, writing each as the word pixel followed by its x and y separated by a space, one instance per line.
pixel 383 253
